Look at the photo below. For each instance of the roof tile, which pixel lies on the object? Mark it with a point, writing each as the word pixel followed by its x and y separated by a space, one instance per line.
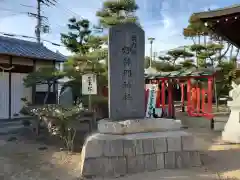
pixel 18 47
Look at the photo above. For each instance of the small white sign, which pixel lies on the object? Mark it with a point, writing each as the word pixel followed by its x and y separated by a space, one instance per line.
pixel 89 84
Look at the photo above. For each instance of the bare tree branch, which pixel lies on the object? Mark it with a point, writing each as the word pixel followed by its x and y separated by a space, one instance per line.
pixel 237 52
pixel 221 56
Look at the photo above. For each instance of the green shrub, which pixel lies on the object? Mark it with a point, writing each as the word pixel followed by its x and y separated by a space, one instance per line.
pixel 58 120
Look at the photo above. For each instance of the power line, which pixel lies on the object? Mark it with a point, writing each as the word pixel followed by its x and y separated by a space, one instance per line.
pixel 12 10
pixel 29 37
pixel 28 6
pixel 67 10
pixel 42 21
pixel 72 13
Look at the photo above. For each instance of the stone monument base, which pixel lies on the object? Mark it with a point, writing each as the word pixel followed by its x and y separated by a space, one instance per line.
pixel 107 126
pixel 231 131
pixel 107 155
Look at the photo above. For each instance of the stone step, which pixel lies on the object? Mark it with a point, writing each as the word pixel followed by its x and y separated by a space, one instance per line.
pixel 9 126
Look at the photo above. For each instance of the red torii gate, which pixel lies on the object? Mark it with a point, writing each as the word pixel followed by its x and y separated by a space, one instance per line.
pixel 196 105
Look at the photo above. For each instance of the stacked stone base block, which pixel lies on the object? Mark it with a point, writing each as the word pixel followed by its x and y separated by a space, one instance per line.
pixel 117 155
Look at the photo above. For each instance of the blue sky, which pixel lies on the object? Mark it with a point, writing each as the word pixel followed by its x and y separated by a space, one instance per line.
pixel 162 19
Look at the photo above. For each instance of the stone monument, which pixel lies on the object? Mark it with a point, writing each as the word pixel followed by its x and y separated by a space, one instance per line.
pixel 127 142
pixel 231 131
pixel 126 72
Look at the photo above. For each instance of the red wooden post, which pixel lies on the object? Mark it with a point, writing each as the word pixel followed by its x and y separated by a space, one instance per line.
pixel 163 95
pixel 189 95
pixel 203 100
pixel 182 97
pixel 170 100
pixel 210 94
pixel 198 99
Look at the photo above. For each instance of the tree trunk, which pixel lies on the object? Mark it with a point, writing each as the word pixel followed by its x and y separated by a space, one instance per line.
pixel 215 89
pixel 205 41
pixel 216 94
pixel 237 52
pixel 199 39
pixel 47 94
pixel 231 52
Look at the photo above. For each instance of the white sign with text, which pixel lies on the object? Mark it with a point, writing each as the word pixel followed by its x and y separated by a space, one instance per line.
pixel 89 84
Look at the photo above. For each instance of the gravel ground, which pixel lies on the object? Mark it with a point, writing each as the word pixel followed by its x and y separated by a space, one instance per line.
pixel 27 161
pixel 24 158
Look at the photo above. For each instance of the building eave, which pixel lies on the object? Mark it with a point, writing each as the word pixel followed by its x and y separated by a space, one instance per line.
pixel 218 12
pixel 32 57
pixel 224 22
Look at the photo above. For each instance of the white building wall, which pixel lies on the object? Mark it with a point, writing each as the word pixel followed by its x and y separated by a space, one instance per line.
pixel 18 92
pixel 4 95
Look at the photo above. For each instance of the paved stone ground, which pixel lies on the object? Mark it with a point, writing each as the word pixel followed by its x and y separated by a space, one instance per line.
pixel 25 159
pixel 8 127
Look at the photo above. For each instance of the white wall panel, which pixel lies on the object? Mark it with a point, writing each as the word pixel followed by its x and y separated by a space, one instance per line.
pixel 18 92
pixel 4 95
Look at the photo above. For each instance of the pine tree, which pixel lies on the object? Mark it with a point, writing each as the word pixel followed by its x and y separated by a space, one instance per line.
pixel 117 11
pixel 77 38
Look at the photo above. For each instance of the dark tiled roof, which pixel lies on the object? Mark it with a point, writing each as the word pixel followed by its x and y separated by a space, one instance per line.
pixel 18 47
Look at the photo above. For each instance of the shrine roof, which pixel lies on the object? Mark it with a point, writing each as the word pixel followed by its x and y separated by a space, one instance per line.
pixel 218 13
pixel 180 74
pixel 225 22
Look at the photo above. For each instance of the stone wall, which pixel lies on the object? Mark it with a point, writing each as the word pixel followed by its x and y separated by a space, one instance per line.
pixel 116 155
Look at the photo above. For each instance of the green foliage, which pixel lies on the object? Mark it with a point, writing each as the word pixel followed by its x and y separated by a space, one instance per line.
pixel 207 52
pixel 187 64
pixel 45 75
pixel 88 56
pixel 77 39
pixel 164 66
pixel 115 12
pixel 96 42
pixel 60 121
pixel 164 58
pixel 169 61
pixel 179 53
pixel 195 28
pixel 226 75
pixel 77 66
pixel 197 48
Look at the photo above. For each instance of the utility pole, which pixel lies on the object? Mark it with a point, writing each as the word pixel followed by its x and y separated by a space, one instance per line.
pixel 151 39
pixel 39 21
pixel 41 26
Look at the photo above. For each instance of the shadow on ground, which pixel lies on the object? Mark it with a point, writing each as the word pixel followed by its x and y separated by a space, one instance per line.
pixel 23 156
pixel 45 138
pixel 224 162
pixel 217 157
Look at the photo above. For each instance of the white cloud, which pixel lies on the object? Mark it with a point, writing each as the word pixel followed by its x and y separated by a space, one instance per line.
pixel 167 22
